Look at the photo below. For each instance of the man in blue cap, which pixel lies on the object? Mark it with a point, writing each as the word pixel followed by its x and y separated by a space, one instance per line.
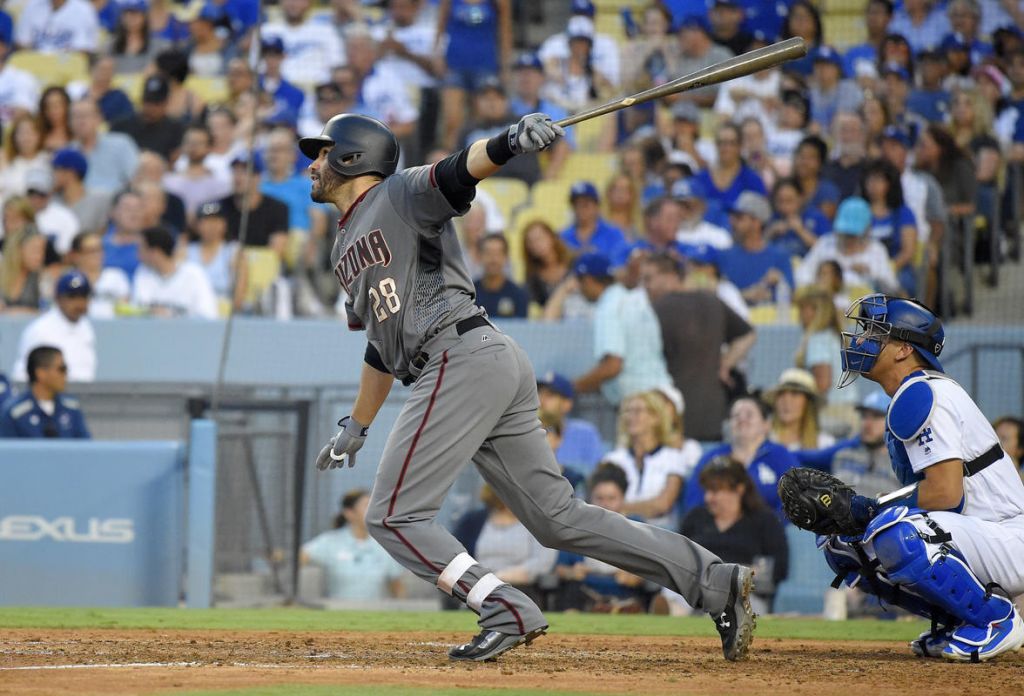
pixel 271 79
pixel 590 233
pixel 864 462
pixel 829 92
pixel 91 208
pixel 627 337
pixel 757 268
pixel 930 100
pixel 528 80
pixel 581 448
pixel 66 327
pixel 43 411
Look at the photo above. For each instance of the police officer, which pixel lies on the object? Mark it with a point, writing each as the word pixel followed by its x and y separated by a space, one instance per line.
pixel 43 410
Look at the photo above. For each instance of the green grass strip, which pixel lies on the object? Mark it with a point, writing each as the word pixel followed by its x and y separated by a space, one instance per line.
pixel 308 620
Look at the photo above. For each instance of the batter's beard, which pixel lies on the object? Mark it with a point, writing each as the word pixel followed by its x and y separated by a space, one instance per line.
pixel 324 190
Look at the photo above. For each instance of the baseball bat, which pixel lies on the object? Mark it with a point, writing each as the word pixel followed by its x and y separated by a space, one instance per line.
pixel 737 66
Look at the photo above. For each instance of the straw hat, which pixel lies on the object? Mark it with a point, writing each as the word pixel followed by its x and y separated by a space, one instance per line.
pixel 795 380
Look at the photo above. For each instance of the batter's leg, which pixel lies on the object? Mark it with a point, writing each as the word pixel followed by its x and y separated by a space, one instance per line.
pixel 455 404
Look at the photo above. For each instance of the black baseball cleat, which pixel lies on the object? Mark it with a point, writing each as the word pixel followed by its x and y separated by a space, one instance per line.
pixel 487 645
pixel 737 621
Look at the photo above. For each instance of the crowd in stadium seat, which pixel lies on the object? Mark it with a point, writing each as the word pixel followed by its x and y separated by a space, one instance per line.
pixel 149 149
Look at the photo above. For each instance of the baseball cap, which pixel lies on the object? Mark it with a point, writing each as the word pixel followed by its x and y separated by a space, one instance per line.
pixel 583 7
pixel 686 110
pixel 274 44
pixel 696 22
pixel 827 54
pixel 898 135
pixel 491 83
pixel 210 209
pixel 526 59
pixel 674 396
pixel 133 6
pixel 560 384
pixel 580 27
pixel 1011 29
pixel 328 91
pixel 875 400
pixel 39 180
pixel 210 13
pixel 703 254
pixel 70 158
pixel 155 90
pixel 931 54
pixel 688 189
pixel 753 204
pixel 243 159
pixel 853 217
pixel 583 188
pixel 955 42
pixel 892 68
pixel 592 264
pixel 73 284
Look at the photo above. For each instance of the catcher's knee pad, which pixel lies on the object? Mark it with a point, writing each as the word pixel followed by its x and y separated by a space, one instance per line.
pixel 924 563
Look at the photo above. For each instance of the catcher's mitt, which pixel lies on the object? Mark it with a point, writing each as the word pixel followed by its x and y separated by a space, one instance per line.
pixel 818 502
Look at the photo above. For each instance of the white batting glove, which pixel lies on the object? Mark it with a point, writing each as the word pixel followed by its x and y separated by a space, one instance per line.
pixel 533 133
pixel 343 446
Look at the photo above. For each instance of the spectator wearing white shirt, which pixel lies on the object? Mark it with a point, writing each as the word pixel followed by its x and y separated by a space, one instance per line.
pixel 694 230
pixel 64 326
pixel 166 287
pixel 312 48
pixel 19 90
pixel 865 261
pixel 555 48
pixel 112 157
pixel 655 471
pixel 110 286
pixel 58 26
pixel 54 220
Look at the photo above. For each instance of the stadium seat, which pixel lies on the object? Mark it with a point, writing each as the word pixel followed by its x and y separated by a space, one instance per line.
pixel 131 85
pixel 843 31
pixel 211 90
pixel 803 591
pixel 847 7
pixel 52 68
pixel 296 246
pixel 508 193
pixel 552 196
pixel 589 133
pixel 596 167
pixel 264 268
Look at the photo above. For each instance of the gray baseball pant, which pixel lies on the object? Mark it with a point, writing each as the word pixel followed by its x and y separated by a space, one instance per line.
pixel 476 400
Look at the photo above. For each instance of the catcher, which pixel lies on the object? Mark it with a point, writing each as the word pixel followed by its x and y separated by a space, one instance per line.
pixel 949 546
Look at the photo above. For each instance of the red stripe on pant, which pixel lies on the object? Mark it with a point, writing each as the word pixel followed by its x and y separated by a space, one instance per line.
pixel 401 478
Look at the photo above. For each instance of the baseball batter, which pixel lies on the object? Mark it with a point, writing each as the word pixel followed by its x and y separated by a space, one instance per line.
pixel 474 394
pixel 950 545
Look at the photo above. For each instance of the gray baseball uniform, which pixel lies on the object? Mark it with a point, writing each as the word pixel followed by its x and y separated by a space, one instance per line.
pixel 474 399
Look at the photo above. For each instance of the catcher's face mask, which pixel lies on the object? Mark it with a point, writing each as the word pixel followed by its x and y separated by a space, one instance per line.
pixel 862 347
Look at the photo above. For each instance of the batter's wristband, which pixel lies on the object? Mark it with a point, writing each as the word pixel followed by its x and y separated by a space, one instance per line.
pixel 499 148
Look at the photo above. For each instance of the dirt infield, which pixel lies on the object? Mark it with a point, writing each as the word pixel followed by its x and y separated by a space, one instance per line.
pixel 169 661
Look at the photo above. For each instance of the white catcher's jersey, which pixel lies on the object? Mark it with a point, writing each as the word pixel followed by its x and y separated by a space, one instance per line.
pixel 934 420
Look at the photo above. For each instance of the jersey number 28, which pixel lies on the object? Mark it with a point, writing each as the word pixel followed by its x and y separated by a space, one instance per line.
pixel 386 302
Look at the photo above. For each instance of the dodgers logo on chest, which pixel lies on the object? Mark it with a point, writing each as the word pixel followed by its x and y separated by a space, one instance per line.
pixel 369 250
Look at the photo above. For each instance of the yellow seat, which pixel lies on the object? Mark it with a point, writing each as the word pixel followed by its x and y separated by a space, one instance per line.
pixel 590 134
pixel 845 7
pixel 131 85
pixel 52 68
pixel 552 197
pixel 842 31
pixel 211 90
pixel 508 193
pixel 762 315
pixel 296 246
pixel 264 268
pixel 596 167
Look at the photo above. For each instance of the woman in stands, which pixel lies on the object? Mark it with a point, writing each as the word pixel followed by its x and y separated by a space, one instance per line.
pixel 547 261
pixel 794 227
pixel 808 163
pixel 818 352
pixel 622 205
pixel 892 222
pixel 803 20
pixel 21 274
pixel 748 443
pixel 735 524
pixel 132 44
pixel 23 151
pixel 357 567
pixel 730 176
pixel 971 122
pixel 795 404
pixel 54 117
pixel 654 468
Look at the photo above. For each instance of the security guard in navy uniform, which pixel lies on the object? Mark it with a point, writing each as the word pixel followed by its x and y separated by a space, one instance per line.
pixel 43 410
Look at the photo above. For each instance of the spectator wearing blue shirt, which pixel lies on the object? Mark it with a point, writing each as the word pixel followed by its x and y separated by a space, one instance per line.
pixel 861 61
pixel 627 349
pixel 791 229
pixel 730 176
pixel 829 92
pixel 590 233
pixel 930 101
pixel 121 242
pixel 923 23
pixel 751 264
pixel 959 53
pixel 163 24
pixel 241 15
pixel 283 184
pixel 286 95
pixel 808 165
pixel 892 222
pixel 494 291
pixel 965 22
pixel 748 444
pixel 581 447
pixel 43 411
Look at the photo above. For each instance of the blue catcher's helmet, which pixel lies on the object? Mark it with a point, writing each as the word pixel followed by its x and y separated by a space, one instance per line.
pixel 880 317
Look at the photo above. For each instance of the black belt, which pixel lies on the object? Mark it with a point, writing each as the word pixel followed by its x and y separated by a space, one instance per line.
pixel 993 455
pixel 461 327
